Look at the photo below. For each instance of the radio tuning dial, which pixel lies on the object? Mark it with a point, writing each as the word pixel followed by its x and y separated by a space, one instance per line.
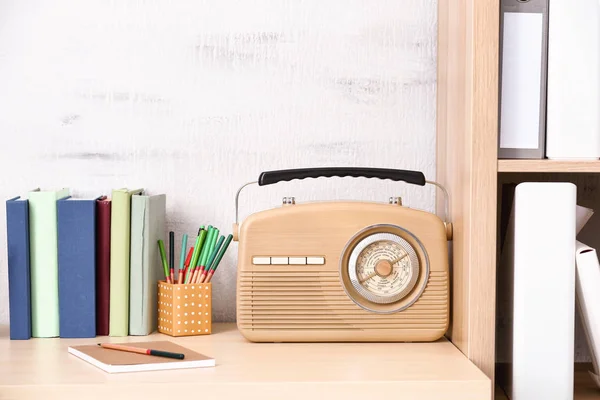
pixel 381 269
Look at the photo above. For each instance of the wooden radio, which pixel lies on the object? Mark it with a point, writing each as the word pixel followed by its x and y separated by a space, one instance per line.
pixel 342 271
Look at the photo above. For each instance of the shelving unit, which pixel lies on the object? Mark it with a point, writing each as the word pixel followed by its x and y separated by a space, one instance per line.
pixel 548 166
pixel 468 166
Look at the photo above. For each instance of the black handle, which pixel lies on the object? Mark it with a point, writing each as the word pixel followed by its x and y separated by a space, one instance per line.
pixel 271 177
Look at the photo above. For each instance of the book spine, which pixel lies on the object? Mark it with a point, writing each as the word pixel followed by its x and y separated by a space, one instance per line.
pixel 103 267
pixel 120 236
pixel 44 263
pixel 17 238
pixel 77 268
pixel 136 283
pixel 156 220
pixel 523 72
pixel 588 299
pixel 544 291
pixel 573 120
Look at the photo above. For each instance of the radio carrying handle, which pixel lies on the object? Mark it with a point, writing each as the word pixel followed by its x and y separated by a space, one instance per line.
pixel 411 177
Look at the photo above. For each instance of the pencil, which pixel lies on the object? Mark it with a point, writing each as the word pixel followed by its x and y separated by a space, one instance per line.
pixel 187 264
pixel 190 267
pixel 206 253
pixel 139 350
pixel 205 267
pixel 163 256
pixel 172 256
pixel 215 265
pixel 201 257
pixel 199 245
pixel 211 259
pixel 182 257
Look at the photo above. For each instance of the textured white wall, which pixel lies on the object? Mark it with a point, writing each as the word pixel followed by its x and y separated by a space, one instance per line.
pixel 195 98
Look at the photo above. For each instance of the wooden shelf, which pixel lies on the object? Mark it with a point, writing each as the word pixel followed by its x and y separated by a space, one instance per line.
pixel 42 368
pixel 584 386
pixel 548 166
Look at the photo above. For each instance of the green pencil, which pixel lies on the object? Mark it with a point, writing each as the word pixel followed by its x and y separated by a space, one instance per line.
pixel 182 257
pixel 215 264
pixel 163 256
pixel 199 242
pixel 200 256
pixel 211 259
pixel 213 242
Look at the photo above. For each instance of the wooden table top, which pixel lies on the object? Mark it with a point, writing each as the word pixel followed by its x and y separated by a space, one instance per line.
pixel 42 368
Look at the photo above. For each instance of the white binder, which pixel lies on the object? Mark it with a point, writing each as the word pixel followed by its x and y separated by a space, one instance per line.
pixel 539 259
pixel 588 302
pixel 573 120
pixel 523 70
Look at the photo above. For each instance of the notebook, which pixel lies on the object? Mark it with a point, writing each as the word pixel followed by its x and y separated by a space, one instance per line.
pixel 116 361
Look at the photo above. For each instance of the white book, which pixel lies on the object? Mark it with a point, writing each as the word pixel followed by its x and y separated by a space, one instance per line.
pixel 573 98
pixel 540 256
pixel 588 301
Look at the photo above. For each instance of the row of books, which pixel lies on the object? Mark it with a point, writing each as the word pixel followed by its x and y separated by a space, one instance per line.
pixel 81 268
pixel 548 273
pixel 550 80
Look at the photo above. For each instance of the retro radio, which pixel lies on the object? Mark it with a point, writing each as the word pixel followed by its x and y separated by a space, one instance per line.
pixel 342 271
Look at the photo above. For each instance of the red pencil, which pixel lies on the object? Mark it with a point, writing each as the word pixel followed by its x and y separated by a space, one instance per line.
pixel 181 277
pixel 186 269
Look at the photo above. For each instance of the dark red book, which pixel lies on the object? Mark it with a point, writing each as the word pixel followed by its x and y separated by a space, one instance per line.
pixel 103 208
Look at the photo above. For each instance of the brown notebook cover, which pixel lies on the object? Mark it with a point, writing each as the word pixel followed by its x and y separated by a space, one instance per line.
pixel 116 361
pixel 103 208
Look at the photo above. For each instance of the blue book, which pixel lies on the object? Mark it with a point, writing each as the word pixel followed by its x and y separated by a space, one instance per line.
pixel 19 268
pixel 77 267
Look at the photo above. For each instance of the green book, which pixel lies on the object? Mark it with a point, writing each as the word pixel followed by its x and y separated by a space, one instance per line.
pixel 120 236
pixel 147 228
pixel 43 230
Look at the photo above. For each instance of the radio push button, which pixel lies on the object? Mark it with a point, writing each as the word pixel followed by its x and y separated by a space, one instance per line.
pixel 297 260
pixel 315 260
pixel 261 260
pixel 279 261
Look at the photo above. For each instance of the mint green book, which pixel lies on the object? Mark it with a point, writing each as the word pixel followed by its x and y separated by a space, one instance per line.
pixel 120 236
pixel 43 231
pixel 147 228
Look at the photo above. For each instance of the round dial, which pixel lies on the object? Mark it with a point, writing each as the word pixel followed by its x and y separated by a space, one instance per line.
pixel 383 268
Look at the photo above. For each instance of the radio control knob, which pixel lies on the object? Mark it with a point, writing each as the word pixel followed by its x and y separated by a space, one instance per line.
pixel 396 200
pixel 289 201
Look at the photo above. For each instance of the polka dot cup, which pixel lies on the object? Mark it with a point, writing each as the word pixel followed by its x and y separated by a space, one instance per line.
pixel 184 310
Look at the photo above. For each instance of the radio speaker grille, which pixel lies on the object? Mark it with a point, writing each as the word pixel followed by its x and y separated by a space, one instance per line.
pixel 301 300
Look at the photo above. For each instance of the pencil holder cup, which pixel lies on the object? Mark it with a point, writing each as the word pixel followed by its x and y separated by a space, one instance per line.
pixel 184 309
